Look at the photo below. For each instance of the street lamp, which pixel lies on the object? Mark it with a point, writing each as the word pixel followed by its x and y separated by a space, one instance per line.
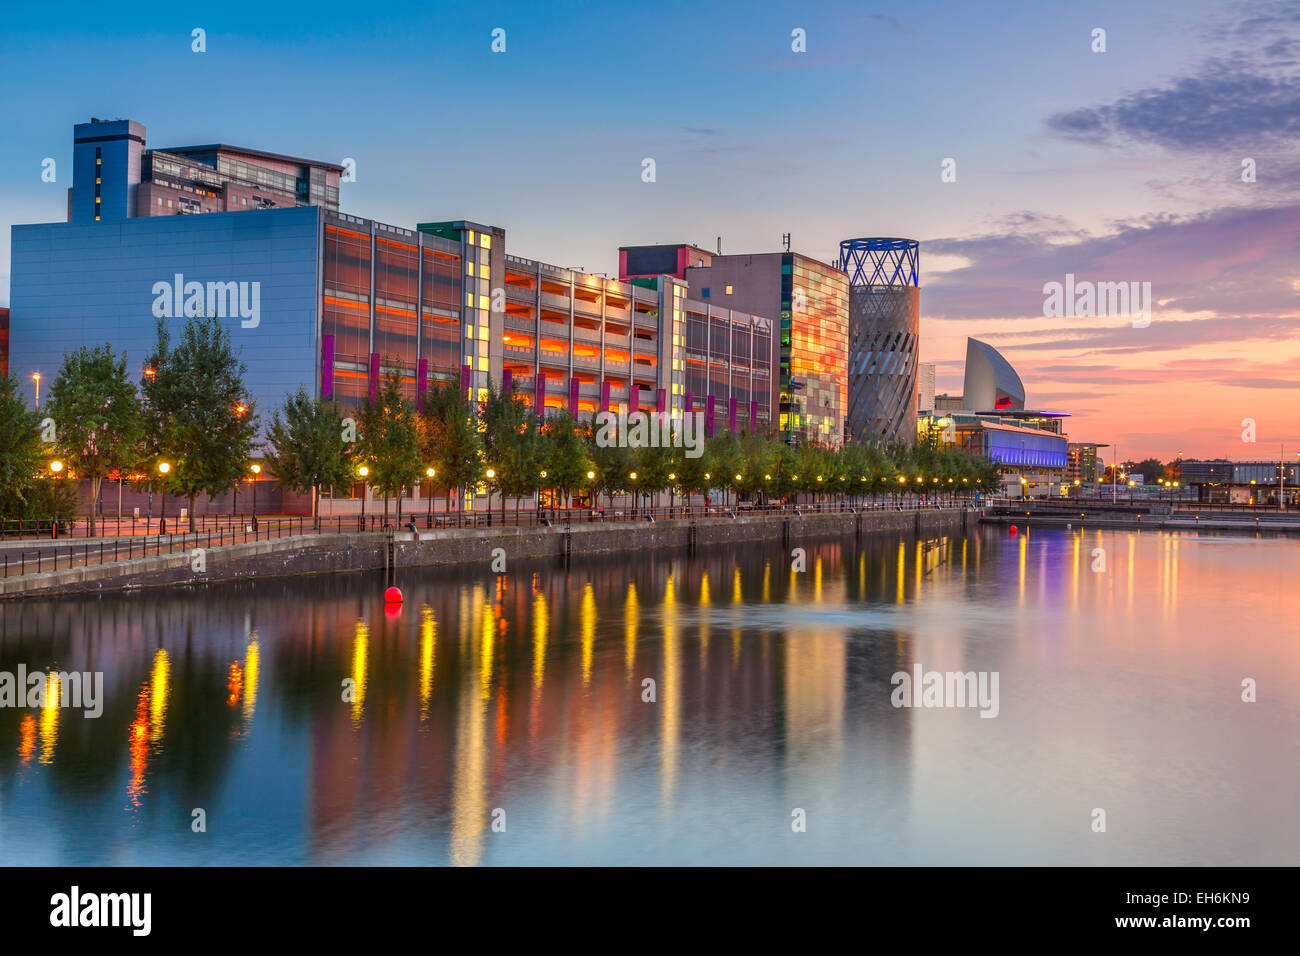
pixel 257 470
pixel 430 473
pixel 56 466
pixel 163 469
pixel 363 471
pixel 36 377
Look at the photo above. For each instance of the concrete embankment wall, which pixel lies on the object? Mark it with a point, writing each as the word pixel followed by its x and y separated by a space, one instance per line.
pixel 335 553
pixel 1234 525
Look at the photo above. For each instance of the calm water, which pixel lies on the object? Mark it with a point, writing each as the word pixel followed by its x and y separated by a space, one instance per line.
pixel 1118 690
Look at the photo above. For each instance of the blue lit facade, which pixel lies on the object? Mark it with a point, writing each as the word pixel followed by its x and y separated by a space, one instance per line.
pixel 92 283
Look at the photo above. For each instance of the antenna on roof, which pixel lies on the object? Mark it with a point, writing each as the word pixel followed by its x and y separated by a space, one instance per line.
pixel 719 245
pixel 785 238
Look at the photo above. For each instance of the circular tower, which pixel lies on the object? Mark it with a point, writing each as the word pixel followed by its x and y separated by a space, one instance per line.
pixel 884 336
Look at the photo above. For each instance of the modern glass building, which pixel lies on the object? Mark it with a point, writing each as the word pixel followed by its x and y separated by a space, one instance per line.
pixel 809 345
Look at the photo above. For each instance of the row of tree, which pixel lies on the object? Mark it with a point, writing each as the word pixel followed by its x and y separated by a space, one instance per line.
pixel 190 427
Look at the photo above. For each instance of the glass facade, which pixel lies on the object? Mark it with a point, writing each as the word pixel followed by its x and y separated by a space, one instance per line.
pixel 813 351
pixel 415 302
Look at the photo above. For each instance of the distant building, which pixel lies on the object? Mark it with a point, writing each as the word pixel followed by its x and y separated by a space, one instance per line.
pixel 925 388
pixel 1029 446
pixel 1083 465
pixel 4 343
pixel 1220 481
pixel 990 384
pixel 649 262
pixel 115 177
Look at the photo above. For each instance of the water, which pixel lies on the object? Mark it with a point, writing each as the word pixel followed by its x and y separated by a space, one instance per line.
pixel 520 695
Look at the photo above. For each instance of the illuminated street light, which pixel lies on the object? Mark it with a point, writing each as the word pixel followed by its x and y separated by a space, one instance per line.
pixel 163 469
pixel 56 466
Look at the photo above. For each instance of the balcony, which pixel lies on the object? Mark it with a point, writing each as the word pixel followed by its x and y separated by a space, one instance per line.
pixel 551 300
pixel 583 334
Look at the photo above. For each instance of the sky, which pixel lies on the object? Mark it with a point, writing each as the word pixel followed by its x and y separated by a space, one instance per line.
pixel 1119 166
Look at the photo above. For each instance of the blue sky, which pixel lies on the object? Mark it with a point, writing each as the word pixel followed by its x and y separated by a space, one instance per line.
pixel 1119 162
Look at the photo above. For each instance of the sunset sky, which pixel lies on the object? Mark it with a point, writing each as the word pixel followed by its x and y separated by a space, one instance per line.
pixel 1122 166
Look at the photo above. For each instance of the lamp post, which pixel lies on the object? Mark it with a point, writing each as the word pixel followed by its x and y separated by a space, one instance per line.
pixel 36 377
pixel 428 520
pixel 363 471
pixel 490 474
pixel 163 469
pixel 56 467
pixel 257 470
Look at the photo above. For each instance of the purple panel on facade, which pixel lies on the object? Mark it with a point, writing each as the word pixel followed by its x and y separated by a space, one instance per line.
pixel 421 382
pixel 604 396
pixel 573 396
pixel 634 405
pixel 327 366
pixel 660 398
pixel 374 376
pixel 508 381
pixel 539 395
pixel 464 382
pixel 690 403
pixel 709 405
pixel 731 414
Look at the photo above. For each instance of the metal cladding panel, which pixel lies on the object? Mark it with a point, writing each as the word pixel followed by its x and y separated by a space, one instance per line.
pixel 76 284
pixel 373 377
pixel 884 337
pixel 604 396
pixel 710 404
pixel 421 382
pixel 573 396
pixel 327 366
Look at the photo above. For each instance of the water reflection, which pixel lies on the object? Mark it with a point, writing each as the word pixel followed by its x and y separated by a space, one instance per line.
pixel 667 708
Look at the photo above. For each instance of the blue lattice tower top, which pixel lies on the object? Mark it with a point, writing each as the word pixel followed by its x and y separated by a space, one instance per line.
pixel 881 261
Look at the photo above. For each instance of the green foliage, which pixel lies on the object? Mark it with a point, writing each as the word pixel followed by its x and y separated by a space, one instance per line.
pixel 305 448
pixel 21 454
pixel 564 454
pixel 199 417
pixel 513 445
pixel 388 440
pixel 450 440
pixel 96 414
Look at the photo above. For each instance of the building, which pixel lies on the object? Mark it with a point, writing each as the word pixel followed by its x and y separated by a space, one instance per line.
pixel 925 387
pixel 1262 483
pixel 1029 446
pixel 884 335
pixel 1082 463
pixel 649 262
pixel 115 177
pixel 990 383
pixel 808 352
pixel 339 299
pixel 4 343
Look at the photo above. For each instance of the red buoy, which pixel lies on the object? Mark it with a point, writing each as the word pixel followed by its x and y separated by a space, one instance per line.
pixel 1013 534
pixel 393 596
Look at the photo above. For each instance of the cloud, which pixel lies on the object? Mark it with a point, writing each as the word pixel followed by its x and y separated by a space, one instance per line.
pixel 1224 107
pixel 1226 262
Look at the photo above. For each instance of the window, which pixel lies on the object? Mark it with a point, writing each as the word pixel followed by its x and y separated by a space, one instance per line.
pixel 704 293
pixel 469 268
pixel 469 299
pixel 483 364
pixel 485 240
pixel 484 271
pixel 471 237
pixel 160 200
pixel 469 331
pixel 483 302
pixel 483 332
pixel 728 290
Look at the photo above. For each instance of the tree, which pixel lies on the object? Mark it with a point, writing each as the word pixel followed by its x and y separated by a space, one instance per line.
pixel 199 416
pixel 96 414
pixel 389 441
pixel 564 455
pixel 21 454
pixel 450 442
pixel 305 447
pixel 513 446
pixel 1150 469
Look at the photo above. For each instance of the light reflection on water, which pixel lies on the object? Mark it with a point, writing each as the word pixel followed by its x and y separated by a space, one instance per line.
pixel 503 718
